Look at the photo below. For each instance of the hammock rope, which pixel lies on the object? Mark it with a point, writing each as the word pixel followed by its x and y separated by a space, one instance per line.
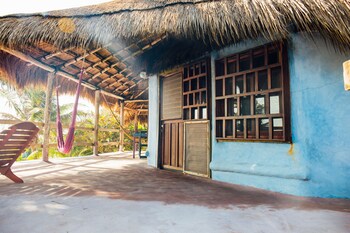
pixel 116 119
pixel 65 146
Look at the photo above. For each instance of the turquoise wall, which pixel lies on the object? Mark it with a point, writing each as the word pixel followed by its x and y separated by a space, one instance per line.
pixel 318 162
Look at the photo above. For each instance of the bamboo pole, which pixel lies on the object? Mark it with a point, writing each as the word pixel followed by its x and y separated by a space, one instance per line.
pixel 97 117
pixel 47 113
pixel 121 133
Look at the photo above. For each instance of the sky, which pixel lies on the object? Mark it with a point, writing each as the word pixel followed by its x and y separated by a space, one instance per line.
pixel 33 6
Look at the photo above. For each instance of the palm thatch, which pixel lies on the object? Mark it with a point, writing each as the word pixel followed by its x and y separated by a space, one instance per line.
pixel 216 22
pixel 159 34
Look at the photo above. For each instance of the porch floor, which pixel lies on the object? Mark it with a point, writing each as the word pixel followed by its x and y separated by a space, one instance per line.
pixel 115 193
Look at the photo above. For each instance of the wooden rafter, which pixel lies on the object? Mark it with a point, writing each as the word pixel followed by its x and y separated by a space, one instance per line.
pixel 48 68
pixel 74 60
pixel 134 85
pixel 51 55
pixel 139 94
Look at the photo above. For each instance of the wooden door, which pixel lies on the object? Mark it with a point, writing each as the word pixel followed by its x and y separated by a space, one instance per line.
pixel 197 148
pixel 172 144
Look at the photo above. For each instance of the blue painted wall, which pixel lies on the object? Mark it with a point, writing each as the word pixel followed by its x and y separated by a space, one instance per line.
pixel 318 162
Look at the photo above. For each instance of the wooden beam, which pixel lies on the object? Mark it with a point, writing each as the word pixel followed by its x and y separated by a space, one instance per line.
pixel 81 57
pixel 51 55
pixel 97 117
pixel 50 69
pixel 139 94
pixel 135 101
pixel 47 113
pixel 132 86
pixel 121 133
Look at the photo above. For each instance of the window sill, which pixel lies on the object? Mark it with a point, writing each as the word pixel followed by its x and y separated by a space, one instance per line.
pixel 281 141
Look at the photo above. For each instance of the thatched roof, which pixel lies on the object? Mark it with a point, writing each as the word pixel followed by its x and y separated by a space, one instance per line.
pixel 154 35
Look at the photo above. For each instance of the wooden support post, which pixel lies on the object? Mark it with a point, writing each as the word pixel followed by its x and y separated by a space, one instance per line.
pixel 47 113
pixel 121 133
pixel 136 123
pixel 97 117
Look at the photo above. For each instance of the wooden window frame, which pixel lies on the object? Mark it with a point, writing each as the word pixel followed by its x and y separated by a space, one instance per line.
pixel 229 116
pixel 193 74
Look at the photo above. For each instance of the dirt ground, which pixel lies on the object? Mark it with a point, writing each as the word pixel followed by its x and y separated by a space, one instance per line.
pixel 115 193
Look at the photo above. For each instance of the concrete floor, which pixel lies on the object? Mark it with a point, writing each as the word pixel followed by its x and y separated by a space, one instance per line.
pixel 115 193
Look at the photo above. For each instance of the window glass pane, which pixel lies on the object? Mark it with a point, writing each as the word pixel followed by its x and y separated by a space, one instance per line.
pixel 262 80
pixel 277 128
pixel 190 99
pixel 228 128
pixel 220 108
pixel 251 131
pixel 219 67
pixel 231 65
pixel 273 54
pixel 239 128
pixel 228 86
pixel 276 78
pixel 202 82
pixel 191 71
pixel 258 58
pixel 232 109
pixel 196 98
pixel 264 128
pixel 218 87
pixel 186 86
pixel 219 130
pixel 185 72
pixel 239 84
pixel 194 113
pixel 259 104
pixel 245 105
pixel 275 103
pixel 202 112
pixel 194 84
pixel 250 85
pixel 185 100
pixel 244 62
pixel 196 69
pixel 204 97
pixel 203 68
pixel 186 114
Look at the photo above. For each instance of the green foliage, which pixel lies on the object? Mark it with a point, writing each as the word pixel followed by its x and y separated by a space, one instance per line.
pixel 29 105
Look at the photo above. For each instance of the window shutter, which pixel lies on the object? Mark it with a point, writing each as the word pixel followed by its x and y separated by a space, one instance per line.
pixel 171 105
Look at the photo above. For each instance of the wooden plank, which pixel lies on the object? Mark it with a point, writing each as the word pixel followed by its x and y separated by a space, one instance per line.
pixel 121 132
pixel 96 121
pixel 8 152
pixel 166 155
pixel 181 144
pixel 7 157
pixel 109 130
pixel 47 113
pixel 174 142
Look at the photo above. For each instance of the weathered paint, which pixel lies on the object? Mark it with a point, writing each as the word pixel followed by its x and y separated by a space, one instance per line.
pixel 318 161
pixel 153 120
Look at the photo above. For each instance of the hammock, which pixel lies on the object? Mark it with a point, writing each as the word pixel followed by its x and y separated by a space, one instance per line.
pixel 67 145
pixel 117 121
